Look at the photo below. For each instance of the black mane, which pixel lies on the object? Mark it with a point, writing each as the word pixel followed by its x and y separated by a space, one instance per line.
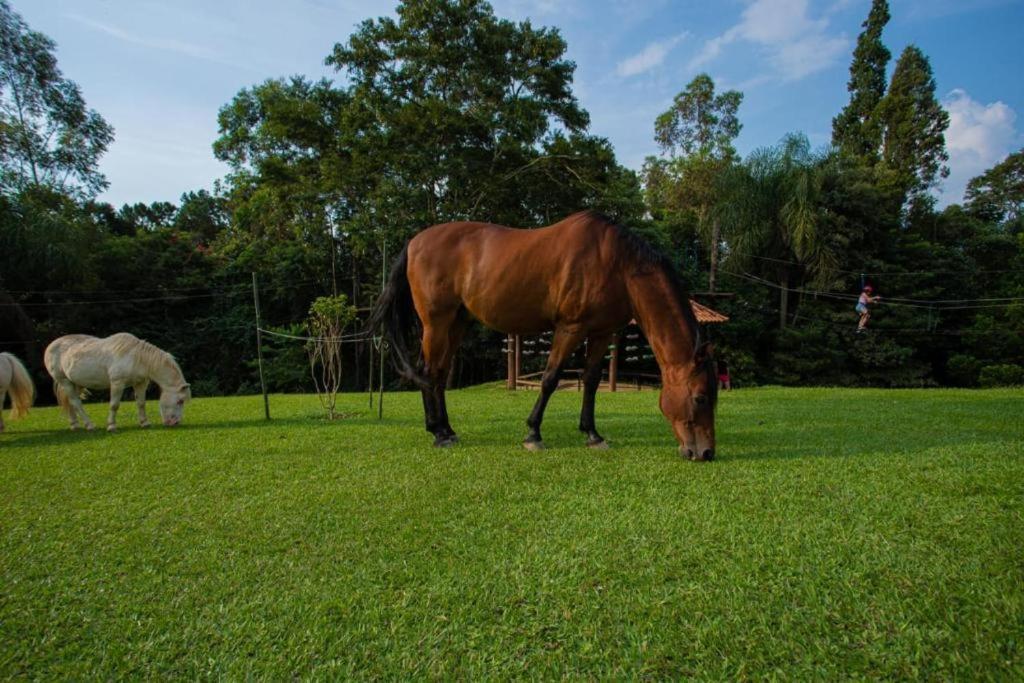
pixel 647 259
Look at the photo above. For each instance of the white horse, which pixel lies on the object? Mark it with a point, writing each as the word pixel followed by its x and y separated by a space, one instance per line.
pixel 78 362
pixel 14 378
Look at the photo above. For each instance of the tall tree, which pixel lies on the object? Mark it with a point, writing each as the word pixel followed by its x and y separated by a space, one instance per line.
pixel 697 133
pixel 48 137
pixel 914 141
pixel 856 131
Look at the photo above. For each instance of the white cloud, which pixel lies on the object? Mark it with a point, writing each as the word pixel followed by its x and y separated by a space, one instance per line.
pixel 794 44
pixel 166 44
pixel 979 136
pixel 650 57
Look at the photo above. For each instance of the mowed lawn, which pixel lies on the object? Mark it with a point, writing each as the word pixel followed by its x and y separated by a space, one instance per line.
pixel 840 532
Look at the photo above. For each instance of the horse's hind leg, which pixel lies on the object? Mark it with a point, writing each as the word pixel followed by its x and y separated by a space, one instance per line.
pixel 596 348
pixel 3 397
pixel 441 337
pixel 75 405
pixel 564 343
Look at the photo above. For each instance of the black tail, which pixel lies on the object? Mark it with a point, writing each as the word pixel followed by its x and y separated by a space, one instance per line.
pixel 395 316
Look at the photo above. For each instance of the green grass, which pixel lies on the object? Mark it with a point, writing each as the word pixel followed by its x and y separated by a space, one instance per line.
pixel 840 532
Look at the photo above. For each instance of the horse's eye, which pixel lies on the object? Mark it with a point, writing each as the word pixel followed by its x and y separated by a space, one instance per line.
pixel 701 399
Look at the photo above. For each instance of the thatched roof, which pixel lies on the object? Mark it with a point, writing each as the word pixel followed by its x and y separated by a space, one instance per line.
pixel 705 315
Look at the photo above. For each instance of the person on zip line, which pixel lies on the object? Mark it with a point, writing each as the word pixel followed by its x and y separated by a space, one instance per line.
pixel 863 302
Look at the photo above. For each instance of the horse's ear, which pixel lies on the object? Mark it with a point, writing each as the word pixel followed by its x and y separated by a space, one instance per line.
pixel 705 352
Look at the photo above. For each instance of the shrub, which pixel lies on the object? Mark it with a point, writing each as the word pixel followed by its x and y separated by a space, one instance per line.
pixel 1001 375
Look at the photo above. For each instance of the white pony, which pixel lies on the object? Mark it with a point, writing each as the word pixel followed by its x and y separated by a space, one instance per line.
pixel 78 362
pixel 14 378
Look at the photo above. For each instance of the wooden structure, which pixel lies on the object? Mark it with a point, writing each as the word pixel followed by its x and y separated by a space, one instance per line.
pixel 514 351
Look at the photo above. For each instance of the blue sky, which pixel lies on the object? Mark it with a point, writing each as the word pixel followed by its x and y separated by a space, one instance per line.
pixel 159 71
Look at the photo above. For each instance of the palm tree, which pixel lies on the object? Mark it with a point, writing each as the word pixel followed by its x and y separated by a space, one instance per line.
pixel 770 211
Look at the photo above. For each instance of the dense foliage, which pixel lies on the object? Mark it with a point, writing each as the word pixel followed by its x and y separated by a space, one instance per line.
pixel 448 112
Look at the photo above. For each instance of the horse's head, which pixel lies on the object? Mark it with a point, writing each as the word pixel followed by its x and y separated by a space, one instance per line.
pixel 688 397
pixel 172 403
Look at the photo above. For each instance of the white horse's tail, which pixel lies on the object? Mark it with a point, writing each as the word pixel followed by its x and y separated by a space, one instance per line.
pixel 23 391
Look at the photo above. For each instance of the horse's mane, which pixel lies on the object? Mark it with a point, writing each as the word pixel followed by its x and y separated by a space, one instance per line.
pixel 149 354
pixel 645 258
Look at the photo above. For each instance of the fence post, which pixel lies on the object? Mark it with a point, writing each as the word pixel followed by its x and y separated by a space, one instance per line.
pixel 259 346
pixel 383 344
pixel 613 367
pixel 369 379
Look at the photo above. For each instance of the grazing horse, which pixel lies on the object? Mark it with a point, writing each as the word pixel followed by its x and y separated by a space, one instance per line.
pixel 585 278
pixel 14 378
pixel 78 362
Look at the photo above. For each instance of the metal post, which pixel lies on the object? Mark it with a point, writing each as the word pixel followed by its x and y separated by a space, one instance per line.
pixel 259 346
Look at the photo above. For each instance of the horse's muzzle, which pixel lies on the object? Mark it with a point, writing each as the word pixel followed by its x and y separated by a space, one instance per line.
pixel 707 455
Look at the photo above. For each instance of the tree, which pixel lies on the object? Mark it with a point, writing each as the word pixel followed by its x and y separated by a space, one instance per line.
pixel 697 132
pixel 772 209
pixel 997 195
pixel 913 141
pixel 856 130
pixel 450 108
pixel 48 137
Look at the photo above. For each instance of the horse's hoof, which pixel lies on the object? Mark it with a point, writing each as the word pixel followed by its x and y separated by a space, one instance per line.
pixel 601 445
pixel 446 442
pixel 533 445
pixel 144 425
pixel 90 427
pixel 111 428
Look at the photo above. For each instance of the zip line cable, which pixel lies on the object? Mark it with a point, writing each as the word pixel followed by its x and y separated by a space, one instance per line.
pixel 882 273
pixel 938 304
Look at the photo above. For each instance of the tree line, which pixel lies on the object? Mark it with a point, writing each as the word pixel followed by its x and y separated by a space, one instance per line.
pixel 448 112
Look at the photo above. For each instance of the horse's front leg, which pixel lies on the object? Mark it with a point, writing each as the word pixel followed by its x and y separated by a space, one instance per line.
pixel 564 343
pixel 3 397
pixel 596 348
pixel 116 392
pixel 140 402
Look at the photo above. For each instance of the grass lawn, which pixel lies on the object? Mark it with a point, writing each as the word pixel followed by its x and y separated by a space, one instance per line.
pixel 840 532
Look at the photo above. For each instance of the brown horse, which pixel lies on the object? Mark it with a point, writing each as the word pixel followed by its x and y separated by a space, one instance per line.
pixel 585 278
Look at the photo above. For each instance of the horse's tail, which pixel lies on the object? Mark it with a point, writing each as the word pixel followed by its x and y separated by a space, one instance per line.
pixel 23 391
pixel 396 317
pixel 62 398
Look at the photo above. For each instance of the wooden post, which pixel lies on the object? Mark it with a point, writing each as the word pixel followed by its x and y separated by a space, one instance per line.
pixel 519 358
pixel 380 399
pixel 510 357
pixel 383 344
pixel 259 346
pixel 613 367
pixel 369 379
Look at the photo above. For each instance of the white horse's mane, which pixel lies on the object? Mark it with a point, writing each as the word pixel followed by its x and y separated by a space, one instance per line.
pixel 151 356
